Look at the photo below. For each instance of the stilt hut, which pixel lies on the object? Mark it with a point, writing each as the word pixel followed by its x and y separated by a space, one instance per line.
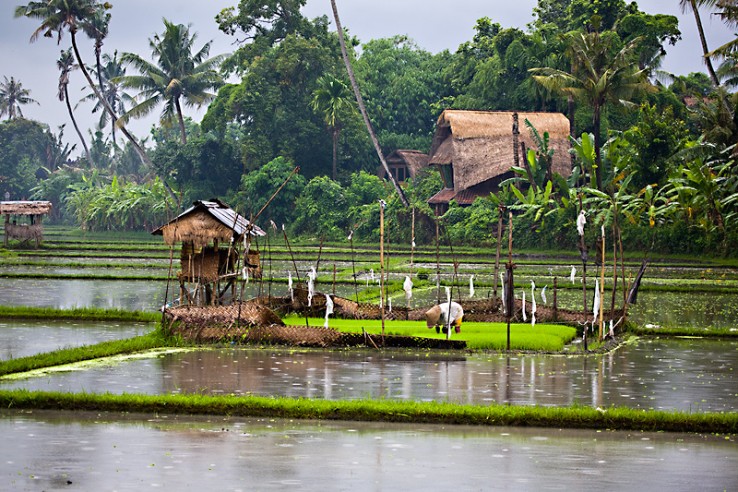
pixel 212 235
pixel 23 220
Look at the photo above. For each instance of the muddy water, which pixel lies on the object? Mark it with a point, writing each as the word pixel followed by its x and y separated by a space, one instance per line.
pixel 58 451
pixel 24 338
pixel 688 375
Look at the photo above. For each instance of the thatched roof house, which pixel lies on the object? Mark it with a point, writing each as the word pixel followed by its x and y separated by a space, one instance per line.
pixel 474 150
pixel 404 164
pixel 206 222
pixel 204 264
pixel 30 211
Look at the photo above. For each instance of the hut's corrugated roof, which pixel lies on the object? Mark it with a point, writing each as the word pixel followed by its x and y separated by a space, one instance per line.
pixel 481 145
pixel 464 197
pixel 25 207
pixel 207 220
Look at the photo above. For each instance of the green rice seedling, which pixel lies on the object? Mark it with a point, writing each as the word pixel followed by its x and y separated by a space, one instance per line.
pixel 478 336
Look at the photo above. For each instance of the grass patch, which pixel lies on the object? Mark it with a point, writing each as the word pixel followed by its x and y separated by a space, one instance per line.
pixel 684 331
pixel 380 411
pixel 478 336
pixel 155 339
pixel 91 314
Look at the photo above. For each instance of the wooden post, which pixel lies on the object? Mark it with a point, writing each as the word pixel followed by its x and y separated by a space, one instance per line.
pixel 556 300
pixel 412 243
pixel 438 268
pixel 510 290
pixel 381 264
pixel 602 282
pixel 500 211
pixel 334 279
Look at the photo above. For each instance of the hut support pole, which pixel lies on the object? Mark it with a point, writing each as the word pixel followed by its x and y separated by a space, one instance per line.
pixel 5 237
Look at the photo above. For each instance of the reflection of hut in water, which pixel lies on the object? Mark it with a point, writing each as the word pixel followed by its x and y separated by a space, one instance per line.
pixel 211 233
pixel 29 214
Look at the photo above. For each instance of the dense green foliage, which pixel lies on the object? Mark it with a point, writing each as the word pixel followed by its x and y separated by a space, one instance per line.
pixel 655 156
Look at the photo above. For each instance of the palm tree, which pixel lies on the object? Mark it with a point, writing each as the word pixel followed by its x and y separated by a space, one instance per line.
pixel 12 97
pixel 694 5
pixel 332 99
pixel 598 79
pixel 58 16
pixel 362 107
pixel 178 76
pixel 66 64
pixel 111 70
pixel 96 28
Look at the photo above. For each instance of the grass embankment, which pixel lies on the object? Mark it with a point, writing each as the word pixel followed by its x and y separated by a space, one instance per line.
pixel 380 411
pixel 153 340
pixel 478 336
pixel 78 314
pixel 684 331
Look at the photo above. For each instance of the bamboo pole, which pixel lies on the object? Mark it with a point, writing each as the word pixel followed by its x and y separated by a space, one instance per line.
pixel 602 283
pixel 381 264
pixel 510 290
pixel 500 211
pixel 412 242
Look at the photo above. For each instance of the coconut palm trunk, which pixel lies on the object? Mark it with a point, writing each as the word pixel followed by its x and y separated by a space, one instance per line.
pixel 76 127
pixel 180 121
pixel 139 149
pixel 362 108
pixel 693 4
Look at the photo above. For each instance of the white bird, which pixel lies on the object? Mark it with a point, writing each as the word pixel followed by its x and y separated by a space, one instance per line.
pixel 532 303
pixel 289 286
pixel 328 309
pixel 596 308
pixel 471 286
pixel 502 283
pixel 573 274
pixel 543 294
pixel 581 221
pixel 311 285
pixel 407 286
pixel 525 318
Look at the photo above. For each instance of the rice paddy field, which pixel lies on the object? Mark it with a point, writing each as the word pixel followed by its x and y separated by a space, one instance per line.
pixel 88 279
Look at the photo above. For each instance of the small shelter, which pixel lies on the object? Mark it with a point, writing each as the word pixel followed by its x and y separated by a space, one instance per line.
pixel 30 215
pixel 404 164
pixel 474 150
pixel 211 234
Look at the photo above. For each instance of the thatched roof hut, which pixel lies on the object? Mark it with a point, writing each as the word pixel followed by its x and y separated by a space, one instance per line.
pixel 201 229
pixel 33 211
pixel 25 208
pixel 206 222
pixel 474 150
pixel 404 164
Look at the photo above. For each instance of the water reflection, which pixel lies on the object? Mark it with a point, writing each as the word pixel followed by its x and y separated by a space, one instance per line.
pixel 687 375
pixel 23 338
pixel 80 451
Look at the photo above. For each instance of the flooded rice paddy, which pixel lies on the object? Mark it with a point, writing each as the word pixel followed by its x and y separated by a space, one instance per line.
pixel 689 375
pixel 81 451
pixel 668 309
pixel 20 338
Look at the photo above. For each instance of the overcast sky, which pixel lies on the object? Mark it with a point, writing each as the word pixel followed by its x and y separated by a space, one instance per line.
pixel 434 25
